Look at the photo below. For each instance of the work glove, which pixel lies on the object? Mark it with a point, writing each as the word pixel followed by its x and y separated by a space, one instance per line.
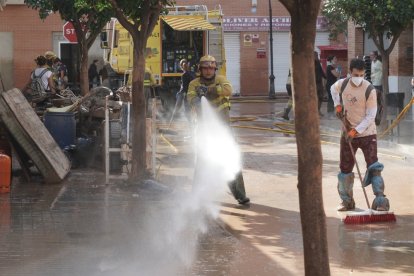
pixel 338 112
pixel 351 134
pixel 201 90
pixel 212 93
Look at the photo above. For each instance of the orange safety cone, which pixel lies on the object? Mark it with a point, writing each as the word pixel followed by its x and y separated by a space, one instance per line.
pixel 5 173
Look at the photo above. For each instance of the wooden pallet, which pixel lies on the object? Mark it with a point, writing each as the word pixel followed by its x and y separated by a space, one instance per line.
pixel 32 136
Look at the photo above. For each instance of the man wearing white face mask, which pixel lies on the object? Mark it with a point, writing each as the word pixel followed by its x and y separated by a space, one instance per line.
pixel 355 102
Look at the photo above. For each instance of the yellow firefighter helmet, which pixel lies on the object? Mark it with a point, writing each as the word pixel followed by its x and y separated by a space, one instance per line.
pixel 208 61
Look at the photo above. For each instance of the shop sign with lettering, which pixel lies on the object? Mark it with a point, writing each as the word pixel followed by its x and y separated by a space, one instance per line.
pixel 261 23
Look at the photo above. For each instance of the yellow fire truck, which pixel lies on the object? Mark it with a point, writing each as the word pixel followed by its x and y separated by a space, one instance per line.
pixel 185 32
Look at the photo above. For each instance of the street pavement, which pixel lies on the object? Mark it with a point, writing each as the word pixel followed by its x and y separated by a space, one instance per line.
pixel 84 227
pixel 271 226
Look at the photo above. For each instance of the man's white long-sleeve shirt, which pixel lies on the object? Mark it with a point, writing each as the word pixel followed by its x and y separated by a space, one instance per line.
pixel 360 112
pixel 376 73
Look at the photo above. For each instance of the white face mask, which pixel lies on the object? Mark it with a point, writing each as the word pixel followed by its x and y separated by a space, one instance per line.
pixel 357 80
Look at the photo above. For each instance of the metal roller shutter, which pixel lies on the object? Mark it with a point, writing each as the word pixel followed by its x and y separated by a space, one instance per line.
pixel 6 60
pixel 281 59
pixel 321 39
pixel 232 46
pixel 281 56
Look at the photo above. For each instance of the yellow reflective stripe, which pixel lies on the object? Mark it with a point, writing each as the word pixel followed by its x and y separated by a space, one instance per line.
pixel 224 105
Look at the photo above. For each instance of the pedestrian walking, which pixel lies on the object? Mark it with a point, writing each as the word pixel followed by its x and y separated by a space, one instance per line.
pixel 289 104
pixel 217 90
pixel 355 102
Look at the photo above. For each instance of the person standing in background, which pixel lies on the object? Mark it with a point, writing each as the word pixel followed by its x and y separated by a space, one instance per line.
pixel 319 75
pixel 42 72
pixel 50 58
pixel 289 104
pixel 376 71
pixel 333 73
pixel 93 74
pixel 61 73
pixel 186 78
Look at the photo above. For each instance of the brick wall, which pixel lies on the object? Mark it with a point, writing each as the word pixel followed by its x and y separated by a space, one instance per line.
pixel 355 41
pixel 31 37
pixel 401 63
pixel 254 72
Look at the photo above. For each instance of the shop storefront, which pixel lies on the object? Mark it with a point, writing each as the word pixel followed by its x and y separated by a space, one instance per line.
pixel 247 37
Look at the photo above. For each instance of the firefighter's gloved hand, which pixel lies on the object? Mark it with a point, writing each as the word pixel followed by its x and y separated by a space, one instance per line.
pixel 212 93
pixel 338 112
pixel 201 90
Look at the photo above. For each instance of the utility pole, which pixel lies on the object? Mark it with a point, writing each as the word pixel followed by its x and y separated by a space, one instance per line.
pixel 272 94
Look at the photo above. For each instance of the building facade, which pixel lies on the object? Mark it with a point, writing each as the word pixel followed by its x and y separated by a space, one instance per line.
pixel 247 43
pixel 246 34
pixel 401 65
pixel 23 36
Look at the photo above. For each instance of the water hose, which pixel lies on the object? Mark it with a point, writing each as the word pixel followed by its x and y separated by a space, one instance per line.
pixel 398 119
pixel 168 142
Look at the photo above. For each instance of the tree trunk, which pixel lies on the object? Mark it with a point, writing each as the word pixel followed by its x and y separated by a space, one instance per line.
pixel 83 56
pixel 385 65
pixel 303 29
pixel 84 78
pixel 138 112
pixel 385 91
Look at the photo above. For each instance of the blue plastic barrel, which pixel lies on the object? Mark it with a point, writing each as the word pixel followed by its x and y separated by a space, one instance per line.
pixel 62 127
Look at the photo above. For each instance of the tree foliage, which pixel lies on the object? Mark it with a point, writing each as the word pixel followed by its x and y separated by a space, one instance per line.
pixel 337 20
pixel 88 18
pixel 92 14
pixel 378 18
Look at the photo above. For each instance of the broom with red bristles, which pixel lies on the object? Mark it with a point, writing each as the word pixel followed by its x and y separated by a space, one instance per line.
pixel 369 216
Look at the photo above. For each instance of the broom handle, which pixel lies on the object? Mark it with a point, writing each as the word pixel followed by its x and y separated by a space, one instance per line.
pixel 356 163
pixel 359 174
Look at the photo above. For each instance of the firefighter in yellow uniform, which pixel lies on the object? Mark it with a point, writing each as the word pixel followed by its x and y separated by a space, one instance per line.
pixel 217 90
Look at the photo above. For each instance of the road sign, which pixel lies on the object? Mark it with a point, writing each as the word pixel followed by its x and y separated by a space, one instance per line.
pixel 69 32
